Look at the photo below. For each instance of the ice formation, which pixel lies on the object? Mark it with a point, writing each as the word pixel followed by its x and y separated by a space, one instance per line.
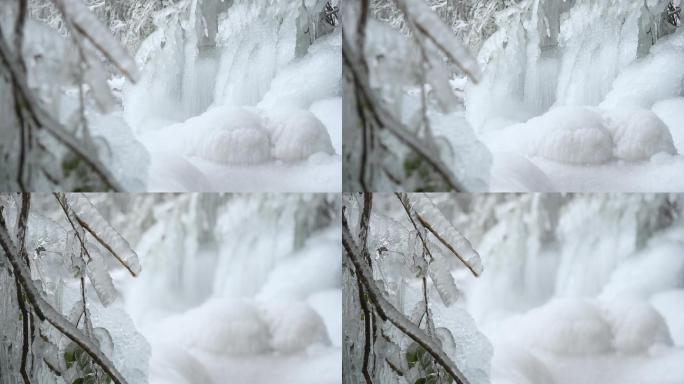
pixel 212 74
pixel 293 326
pixel 636 326
pixel 553 66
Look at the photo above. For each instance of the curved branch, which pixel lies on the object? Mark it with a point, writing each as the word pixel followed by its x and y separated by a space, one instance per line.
pixel 387 120
pixel 46 312
pixel 389 313
pixel 43 119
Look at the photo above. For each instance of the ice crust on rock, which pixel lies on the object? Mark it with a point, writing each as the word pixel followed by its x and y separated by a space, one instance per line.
pixel 636 326
pixel 574 135
pixel 293 326
pixel 298 134
pixel 566 327
pixel 637 134
pixel 671 112
pixel 233 135
pixel 670 305
pixel 225 326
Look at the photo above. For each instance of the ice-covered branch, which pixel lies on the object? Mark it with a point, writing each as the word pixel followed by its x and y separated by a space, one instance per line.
pixel 389 313
pixel 384 119
pixel 434 221
pixel 78 208
pixel 425 22
pixel 78 15
pixel 44 120
pixel 46 312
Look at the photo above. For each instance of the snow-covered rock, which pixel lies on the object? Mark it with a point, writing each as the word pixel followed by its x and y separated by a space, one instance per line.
pixel 293 326
pixel 172 364
pixel 637 134
pixel 567 327
pixel 231 135
pixel 225 327
pixel 298 134
pixel 574 135
pixel 636 326
pixel 513 364
pixel 671 111
pixel 670 304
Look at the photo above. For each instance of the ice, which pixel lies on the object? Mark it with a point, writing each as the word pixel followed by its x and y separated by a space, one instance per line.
pixel 170 172
pixel 514 364
pixel 671 111
pixel 657 268
pixel 636 326
pixel 669 305
pixel 230 135
pixel 315 273
pixel 572 135
pixel 170 363
pixel 103 232
pixel 99 277
pixel 224 327
pixel 296 135
pixel 91 28
pixel 329 111
pixel 294 326
pixel 565 327
pixel 638 134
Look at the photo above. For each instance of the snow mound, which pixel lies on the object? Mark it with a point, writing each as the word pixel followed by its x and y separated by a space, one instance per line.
pixel 225 327
pixel 232 135
pixel 170 172
pixel 671 111
pixel 171 364
pixel 313 77
pixel 314 265
pixel 638 134
pixel 568 327
pixel 513 364
pixel 512 172
pixel 294 326
pixel 298 134
pixel 636 326
pixel 659 267
pixel 670 305
pixel 658 76
pixel 573 135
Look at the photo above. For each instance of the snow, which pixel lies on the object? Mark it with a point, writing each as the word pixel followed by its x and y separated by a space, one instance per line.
pixel 669 305
pixel 671 111
pixel 297 135
pixel 225 296
pixel 636 326
pixel 591 106
pixel 206 116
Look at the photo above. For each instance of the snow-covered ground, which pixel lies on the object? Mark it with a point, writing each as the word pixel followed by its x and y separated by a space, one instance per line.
pixel 253 110
pixel 588 107
pixel 601 308
pixel 245 309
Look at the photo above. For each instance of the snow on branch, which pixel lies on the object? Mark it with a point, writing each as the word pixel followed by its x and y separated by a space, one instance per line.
pixel 46 312
pixel 388 312
pixel 77 14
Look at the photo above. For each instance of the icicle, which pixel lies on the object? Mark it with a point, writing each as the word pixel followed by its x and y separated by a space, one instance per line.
pixel 99 277
pixel 91 219
pixel 430 216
